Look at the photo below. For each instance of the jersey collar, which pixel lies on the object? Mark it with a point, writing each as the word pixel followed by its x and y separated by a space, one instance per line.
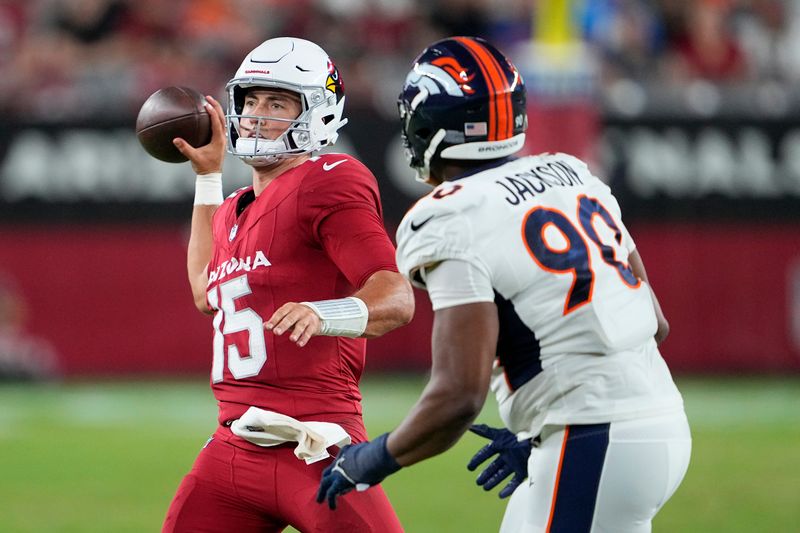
pixel 482 168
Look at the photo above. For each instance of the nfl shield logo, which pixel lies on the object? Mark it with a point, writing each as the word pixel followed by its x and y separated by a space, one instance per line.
pixel 232 234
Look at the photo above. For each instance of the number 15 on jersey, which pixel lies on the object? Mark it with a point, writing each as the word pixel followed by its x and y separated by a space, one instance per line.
pixel 223 298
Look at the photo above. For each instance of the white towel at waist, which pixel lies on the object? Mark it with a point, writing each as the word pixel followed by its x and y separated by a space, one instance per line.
pixel 268 428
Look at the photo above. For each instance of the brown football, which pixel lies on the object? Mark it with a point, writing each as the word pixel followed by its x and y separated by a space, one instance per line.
pixel 173 112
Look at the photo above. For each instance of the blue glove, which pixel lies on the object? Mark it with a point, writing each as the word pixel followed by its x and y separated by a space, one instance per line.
pixel 512 458
pixel 358 466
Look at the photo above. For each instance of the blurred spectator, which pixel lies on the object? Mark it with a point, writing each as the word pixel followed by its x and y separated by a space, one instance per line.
pixel 13 21
pixel 100 59
pixel 13 24
pixel 707 49
pixel 88 21
pixel 769 31
pixel 23 357
pixel 460 17
pixel 509 22
pixel 629 36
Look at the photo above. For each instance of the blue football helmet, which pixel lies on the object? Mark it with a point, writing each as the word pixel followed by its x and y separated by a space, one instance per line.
pixel 463 100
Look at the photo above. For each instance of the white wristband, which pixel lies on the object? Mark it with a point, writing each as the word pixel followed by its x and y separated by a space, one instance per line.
pixel 208 189
pixel 345 317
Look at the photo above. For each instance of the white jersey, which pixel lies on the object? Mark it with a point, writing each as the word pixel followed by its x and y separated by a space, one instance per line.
pixel 576 326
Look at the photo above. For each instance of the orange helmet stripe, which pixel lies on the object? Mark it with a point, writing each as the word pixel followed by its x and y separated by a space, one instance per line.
pixel 505 112
pixel 491 68
pixel 491 82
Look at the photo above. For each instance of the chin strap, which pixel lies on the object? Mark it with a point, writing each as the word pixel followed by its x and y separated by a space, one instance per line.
pixel 424 173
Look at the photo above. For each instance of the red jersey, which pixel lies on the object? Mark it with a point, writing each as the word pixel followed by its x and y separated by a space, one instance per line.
pixel 315 233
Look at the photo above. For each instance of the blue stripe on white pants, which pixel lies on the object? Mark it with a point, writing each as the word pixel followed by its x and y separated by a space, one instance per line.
pixel 644 463
pixel 584 452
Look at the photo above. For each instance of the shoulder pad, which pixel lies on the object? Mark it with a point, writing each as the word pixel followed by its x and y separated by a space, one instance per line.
pixel 436 228
pixel 578 164
pixel 237 191
pixel 337 170
pixel 335 163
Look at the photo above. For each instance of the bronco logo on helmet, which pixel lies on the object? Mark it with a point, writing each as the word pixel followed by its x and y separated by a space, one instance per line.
pixel 462 99
pixel 456 71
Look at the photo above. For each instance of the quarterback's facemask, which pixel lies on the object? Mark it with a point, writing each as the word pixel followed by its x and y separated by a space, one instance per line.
pixel 294 65
pixel 462 99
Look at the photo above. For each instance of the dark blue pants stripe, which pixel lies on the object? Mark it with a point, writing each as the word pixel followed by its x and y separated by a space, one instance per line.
pixel 579 478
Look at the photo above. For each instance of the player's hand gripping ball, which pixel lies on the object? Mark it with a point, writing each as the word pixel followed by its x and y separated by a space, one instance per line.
pixel 173 112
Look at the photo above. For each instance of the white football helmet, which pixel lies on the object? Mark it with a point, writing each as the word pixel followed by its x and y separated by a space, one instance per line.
pixel 295 65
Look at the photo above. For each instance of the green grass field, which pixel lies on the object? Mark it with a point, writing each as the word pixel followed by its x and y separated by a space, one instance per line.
pixel 107 457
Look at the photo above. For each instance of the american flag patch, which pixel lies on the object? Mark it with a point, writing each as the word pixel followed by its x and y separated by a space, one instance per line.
pixel 474 128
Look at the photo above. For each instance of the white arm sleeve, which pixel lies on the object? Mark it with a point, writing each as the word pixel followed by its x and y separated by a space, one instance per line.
pixel 454 282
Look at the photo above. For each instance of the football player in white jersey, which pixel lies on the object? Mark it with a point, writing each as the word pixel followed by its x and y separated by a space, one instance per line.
pixel 539 294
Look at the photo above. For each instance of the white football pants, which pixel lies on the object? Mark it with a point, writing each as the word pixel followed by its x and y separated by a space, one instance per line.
pixel 601 478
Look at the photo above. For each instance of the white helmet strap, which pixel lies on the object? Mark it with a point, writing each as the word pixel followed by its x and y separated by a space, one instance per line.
pixel 424 173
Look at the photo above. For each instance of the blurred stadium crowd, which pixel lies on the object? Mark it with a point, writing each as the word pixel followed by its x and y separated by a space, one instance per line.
pixel 61 59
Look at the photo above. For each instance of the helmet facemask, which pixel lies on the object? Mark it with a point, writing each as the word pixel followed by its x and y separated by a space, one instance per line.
pixel 258 149
pixel 299 67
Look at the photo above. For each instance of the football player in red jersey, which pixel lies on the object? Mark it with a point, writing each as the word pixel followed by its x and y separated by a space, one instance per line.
pixel 297 270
